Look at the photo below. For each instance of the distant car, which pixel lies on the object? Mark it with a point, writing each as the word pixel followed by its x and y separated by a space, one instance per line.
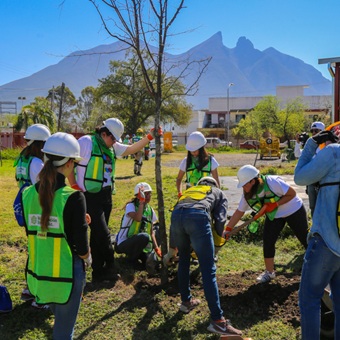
pixel 214 142
pixel 153 145
pixel 250 145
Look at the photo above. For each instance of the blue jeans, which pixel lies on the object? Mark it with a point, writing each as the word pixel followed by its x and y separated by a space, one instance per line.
pixel 191 227
pixel 320 267
pixel 66 315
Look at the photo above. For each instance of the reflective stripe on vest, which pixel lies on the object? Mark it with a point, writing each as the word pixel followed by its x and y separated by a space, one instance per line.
pixel 22 170
pixel 258 202
pixel 50 262
pixel 193 175
pixel 143 226
pixel 94 173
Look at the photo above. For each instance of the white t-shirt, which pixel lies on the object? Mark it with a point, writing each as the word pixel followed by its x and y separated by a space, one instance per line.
pixel 85 143
pixel 127 221
pixel 279 187
pixel 183 165
pixel 35 167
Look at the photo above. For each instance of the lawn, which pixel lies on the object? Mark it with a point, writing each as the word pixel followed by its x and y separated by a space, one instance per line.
pixel 138 306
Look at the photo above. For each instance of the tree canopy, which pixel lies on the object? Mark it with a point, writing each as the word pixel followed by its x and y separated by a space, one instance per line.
pixel 129 99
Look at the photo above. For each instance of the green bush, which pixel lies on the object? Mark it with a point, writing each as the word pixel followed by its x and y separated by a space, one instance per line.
pixel 10 153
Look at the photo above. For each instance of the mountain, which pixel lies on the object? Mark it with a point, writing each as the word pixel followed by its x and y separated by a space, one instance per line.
pixel 254 72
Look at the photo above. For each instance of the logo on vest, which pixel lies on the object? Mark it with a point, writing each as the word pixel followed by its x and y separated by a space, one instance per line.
pixel 35 221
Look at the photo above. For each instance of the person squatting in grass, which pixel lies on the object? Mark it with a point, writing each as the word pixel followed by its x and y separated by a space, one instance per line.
pixel 137 236
pixel 27 168
pixel 56 227
pixel 321 265
pixel 281 206
pixel 95 176
pixel 191 219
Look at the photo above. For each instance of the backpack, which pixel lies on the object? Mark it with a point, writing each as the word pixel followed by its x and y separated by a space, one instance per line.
pixel 5 300
pixel 17 206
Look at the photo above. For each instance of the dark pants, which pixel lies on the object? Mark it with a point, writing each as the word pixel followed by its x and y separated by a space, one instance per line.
pixel 133 246
pixel 297 222
pixel 99 206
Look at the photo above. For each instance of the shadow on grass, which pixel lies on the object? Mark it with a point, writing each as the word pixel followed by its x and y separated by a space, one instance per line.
pixel 25 318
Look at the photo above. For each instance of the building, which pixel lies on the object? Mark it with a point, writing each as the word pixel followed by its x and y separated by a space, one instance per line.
pixel 216 122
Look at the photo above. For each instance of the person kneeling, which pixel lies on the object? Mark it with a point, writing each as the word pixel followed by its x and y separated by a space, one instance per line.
pixel 137 236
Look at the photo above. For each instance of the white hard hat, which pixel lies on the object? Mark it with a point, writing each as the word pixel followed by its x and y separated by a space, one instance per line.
pixel 318 125
pixel 115 126
pixel 143 186
pixel 208 180
pixel 246 174
pixel 195 141
pixel 39 132
pixel 62 144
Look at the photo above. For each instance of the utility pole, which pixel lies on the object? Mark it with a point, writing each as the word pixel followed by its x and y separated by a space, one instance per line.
pixel 228 111
pixel 61 104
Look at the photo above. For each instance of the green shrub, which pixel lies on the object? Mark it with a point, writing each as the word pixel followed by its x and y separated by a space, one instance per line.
pixel 10 153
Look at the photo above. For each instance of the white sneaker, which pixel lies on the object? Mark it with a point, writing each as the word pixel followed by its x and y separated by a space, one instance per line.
pixel 266 276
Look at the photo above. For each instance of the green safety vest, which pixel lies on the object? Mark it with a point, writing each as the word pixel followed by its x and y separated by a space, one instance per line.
pixel 49 268
pixel 193 175
pixel 143 226
pixel 94 173
pixel 22 170
pixel 257 202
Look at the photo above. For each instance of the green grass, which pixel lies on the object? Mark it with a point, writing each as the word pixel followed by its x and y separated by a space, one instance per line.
pixel 137 307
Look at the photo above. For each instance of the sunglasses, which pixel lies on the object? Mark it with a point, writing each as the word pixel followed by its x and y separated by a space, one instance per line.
pixel 112 138
pixel 315 130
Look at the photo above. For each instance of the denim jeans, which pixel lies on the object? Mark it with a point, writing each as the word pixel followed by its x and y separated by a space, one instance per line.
pixel 320 267
pixel 191 227
pixel 66 315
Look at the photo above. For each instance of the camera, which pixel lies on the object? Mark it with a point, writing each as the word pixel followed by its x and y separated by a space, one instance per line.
pixel 303 138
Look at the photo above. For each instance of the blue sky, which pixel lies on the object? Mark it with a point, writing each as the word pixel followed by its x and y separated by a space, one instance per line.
pixel 39 33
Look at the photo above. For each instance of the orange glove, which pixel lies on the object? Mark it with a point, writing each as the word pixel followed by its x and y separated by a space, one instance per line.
pixel 151 134
pixel 158 252
pixel 179 195
pixel 226 231
pixel 76 187
pixel 141 196
pixel 270 206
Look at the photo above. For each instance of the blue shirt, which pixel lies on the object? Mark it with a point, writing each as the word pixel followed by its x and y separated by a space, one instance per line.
pixel 324 167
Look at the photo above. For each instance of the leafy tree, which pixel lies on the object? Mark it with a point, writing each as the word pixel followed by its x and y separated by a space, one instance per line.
pixel 268 116
pixel 131 101
pixel 63 104
pixel 85 106
pixel 39 111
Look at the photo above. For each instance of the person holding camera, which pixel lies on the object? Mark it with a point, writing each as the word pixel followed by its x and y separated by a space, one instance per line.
pixel 312 189
pixel 137 235
pixel 321 265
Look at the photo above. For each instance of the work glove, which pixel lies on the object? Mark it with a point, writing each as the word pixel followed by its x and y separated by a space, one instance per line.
pixel 76 187
pixel 141 196
pixel 167 259
pixel 325 136
pixel 88 218
pixel 269 207
pixel 158 252
pixel 226 231
pixel 88 261
pixel 151 134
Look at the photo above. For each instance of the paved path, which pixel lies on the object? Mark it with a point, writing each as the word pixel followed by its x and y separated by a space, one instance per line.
pixel 234 194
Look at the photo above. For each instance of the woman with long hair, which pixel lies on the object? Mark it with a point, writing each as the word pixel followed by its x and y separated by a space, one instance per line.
pixel 27 168
pixel 56 227
pixel 198 163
